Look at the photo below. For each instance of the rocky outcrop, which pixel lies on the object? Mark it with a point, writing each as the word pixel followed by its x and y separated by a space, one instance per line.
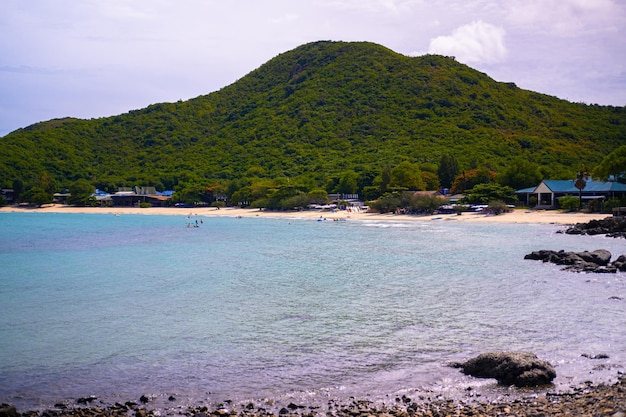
pixel 610 226
pixel 7 410
pixel 598 261
pixel 522 369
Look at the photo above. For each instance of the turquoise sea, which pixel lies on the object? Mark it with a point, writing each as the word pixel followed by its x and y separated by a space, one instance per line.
pixel 290 309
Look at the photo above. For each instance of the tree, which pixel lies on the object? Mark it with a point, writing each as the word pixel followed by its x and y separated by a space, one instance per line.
pixel 46 181
pixel 18 189
pixel 389 202
pixel 37 196
pixel 487 193
pixel 385 176
pixel 348 183
pixel 408 176
pixel 81 192
pixel 468 179
pixel 318 196
pixel 448 170
pixel 426 203
pixel 520 173
pixel 431 180
pixel 614 164
pixel 581 182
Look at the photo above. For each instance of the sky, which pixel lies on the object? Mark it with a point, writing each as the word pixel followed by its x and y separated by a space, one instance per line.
pixel 99 58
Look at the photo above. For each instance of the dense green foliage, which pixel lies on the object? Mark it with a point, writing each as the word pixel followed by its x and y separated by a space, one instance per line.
pixel 335 116
pixel 569 203
pixel 613 165
pixel 487 193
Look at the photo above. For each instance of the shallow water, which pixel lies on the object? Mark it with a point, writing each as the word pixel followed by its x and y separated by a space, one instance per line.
pixel 239 309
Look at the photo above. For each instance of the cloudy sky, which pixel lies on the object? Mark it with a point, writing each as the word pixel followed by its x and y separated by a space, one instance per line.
pixel 96 58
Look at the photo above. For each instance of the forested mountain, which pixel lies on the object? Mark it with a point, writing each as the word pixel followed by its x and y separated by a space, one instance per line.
pixel 312 114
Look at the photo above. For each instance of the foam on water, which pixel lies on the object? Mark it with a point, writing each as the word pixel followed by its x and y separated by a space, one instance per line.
pixel 245 308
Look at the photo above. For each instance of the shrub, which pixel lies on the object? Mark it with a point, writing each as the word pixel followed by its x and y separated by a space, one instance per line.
pixel 569 202
pixel 497 207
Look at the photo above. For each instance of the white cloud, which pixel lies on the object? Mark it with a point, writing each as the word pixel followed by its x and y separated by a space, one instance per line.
pixel 477 42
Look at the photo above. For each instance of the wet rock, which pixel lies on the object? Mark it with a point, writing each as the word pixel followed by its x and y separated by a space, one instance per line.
pixel 610 226
pixel 599 257
pixel 598 356
pixel 7 410
pixel 86 400
pixel 522 369
pixel 597 261
pixel 620 263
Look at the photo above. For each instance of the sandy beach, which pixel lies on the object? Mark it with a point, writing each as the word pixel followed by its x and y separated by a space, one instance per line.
pixel 516 216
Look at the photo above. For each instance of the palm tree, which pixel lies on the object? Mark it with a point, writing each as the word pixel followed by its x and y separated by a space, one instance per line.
pixel 581 182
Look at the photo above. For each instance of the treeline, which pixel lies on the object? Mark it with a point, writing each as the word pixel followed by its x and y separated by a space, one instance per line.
pixel 385 192
pixel 327 116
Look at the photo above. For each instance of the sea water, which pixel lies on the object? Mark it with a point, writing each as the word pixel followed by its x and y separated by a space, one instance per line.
pixel 290 309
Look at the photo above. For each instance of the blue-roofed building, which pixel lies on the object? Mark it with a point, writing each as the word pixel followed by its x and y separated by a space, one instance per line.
pixel 548 191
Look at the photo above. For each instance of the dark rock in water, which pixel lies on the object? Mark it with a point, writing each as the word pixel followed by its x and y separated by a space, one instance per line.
pixel 610 226
pixel 598 261
pixel 144 399
pixel 598 356
pixel 600 256
pixel 522 369
pixel 7 410
pixel 86 400
pixel 620 263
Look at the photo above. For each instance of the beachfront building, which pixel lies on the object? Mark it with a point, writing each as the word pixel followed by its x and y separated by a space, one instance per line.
pixel 136 195
pixel 547 193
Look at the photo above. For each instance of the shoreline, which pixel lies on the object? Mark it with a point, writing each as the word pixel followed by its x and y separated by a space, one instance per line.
pixel 523 216
pixel 588 399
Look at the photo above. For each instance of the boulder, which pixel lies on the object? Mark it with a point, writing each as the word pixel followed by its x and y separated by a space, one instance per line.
pixel 522 369
pixel 610 226
pixel 598 261
pixel 620 263
pixel 7 410
pixel 600 256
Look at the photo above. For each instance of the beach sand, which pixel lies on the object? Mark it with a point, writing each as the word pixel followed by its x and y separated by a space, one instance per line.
pixel 515 216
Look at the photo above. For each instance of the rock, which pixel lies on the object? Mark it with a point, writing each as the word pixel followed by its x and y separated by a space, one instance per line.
pixel 598 356
pixel 598 261
pixel 600 256
pixel 144 399
pixel 610 226
pixel 7 410
pixel 620 263
pixel 86 400
pixel 522 369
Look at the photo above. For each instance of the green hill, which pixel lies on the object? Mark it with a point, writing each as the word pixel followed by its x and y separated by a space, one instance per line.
pixel 314 113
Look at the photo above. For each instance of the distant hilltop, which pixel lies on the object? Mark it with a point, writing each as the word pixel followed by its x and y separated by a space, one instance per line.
pixel 327 115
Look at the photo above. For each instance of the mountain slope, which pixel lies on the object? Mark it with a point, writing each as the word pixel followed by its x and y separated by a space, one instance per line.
pixel 314 112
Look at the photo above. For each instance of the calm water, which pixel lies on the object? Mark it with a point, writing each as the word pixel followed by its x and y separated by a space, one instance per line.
pixel 299 310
